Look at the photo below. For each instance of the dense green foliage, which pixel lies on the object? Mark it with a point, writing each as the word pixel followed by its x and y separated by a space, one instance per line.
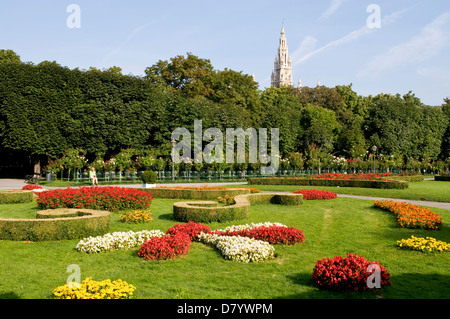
pixel 47 109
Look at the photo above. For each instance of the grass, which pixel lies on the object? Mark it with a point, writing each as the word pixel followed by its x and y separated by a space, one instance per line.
pixel 435 191
pixel 331 227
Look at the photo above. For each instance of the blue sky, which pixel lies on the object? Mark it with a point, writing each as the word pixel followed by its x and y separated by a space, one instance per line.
pixel 329 40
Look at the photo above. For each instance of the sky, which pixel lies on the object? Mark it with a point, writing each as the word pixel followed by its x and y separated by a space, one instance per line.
pixel 377 46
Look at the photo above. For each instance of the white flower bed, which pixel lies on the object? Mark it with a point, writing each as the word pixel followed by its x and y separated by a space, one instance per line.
pixel 249 226
pixel 237 248
pixel 116 241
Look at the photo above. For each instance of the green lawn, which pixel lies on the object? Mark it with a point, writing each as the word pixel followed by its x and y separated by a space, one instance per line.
pixel 334 227
pixel 435 191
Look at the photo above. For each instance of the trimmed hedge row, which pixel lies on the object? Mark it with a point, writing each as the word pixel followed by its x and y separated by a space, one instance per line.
pixel 328 182
pixel 16 196
pixel 183 193
pixel 445 178
pixel 210 211
pixel 407 178
pixel 56 224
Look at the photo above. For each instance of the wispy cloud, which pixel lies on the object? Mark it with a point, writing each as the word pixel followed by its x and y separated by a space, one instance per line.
pixel 302 56
pixel 332 8
pixel 429 42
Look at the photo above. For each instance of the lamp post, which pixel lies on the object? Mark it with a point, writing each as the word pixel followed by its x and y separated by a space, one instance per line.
pixel 374 150
pixel 173 142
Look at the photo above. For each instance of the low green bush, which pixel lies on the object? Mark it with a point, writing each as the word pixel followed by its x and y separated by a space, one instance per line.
pixel 149 177
pixel 210 211
pixel 407 178
pixel 16 196
pixel 329 182
pixel 56 224
pixel 201 194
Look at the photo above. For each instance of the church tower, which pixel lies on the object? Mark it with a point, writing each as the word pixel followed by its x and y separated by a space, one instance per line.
pixel 282 69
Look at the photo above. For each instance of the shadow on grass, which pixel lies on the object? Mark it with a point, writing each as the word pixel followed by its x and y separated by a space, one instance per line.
pixel 166 217
pixel 405 286
pixel 9 295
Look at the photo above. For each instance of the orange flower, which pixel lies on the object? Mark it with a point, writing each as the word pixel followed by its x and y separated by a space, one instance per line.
pixel 411 216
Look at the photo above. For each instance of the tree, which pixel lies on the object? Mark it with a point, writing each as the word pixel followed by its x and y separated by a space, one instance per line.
pixel 320 127
pixel 9 56
pixel 191 75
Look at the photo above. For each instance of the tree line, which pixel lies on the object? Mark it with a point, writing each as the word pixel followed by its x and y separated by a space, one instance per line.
pixel 47 109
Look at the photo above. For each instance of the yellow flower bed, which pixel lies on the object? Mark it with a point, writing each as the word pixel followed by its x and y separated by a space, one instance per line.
pixel 427 244
pixel 90 289
pixel 136 216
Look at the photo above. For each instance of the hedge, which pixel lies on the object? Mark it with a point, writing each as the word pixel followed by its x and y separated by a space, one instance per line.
pixel 202 194
pixel 210 211
pixel 407 178
pixel 445 178
pixel 16 196
pixel 56 224
pixel 328 182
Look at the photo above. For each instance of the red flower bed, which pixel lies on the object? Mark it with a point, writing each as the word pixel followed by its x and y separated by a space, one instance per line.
pixel 347 274
pixel 31 187
pixel 110 198
pixel 311 194
pixel 272 234
pixel 410 215
pixel 191 228
pixel 165 247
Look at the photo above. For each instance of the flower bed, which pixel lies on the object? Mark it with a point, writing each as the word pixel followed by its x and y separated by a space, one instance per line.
pixel 190 228
pixel 116 241
pixel 346 274
pixel 241 249
pixel 312 194
pixel 427 245
pixel 136 216
pixel 90 289
pixel 165 247
pixel 109 198
pixel 410 215
pixel 30 187
pixel 268 232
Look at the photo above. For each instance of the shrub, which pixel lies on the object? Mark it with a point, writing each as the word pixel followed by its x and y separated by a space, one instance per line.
pixel 227 199
pixel 165 247
pixel 56 224
pixel 410 215
pixel 312 194
pixel 208 211
pixel 16 196
pixel 190 228
pixel 116 241
pixel 136 216
pixel 90 289
pixel 426 245
pixel 204 192
pixel 111 198
pixel 149 177
pixel 241 249
pixel 349 182
pixel 346 274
